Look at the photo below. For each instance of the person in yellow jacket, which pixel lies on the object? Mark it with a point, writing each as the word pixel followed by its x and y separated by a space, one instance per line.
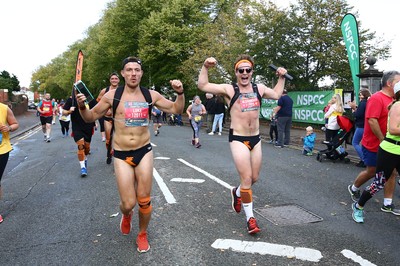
pixel 8 123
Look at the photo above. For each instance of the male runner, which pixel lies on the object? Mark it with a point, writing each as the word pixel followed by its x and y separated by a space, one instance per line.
pixel 244 134
pixel 46 109
pixel 81 131
pixel 133 155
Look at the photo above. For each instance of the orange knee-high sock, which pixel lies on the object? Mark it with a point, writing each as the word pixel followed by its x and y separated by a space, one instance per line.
pixel 87 148
pixel 81 150
pixel 247 201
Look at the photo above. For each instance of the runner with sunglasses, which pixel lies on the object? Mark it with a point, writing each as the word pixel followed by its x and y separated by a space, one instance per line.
pixel 244 134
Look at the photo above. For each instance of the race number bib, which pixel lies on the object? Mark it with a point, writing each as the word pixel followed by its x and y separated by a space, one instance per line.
pixel 136 114
pixel 249 102
pixel 46 109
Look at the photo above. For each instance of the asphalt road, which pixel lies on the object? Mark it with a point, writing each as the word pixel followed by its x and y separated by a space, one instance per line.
pixel 52 216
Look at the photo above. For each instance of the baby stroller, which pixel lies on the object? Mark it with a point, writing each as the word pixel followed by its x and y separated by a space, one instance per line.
pixel 335 149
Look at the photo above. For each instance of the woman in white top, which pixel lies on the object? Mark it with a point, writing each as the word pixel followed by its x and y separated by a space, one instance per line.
pixel 64 120
pixel 336 109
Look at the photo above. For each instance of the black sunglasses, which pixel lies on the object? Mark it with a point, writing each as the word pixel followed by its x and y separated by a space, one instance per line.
pixel 241 70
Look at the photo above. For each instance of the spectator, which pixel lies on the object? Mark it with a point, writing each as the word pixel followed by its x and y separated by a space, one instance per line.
pixel 359 116
pixel 309 141
pixel 284 119
pixel 335 109
pixel 219 110
pixel 210 106
pixel 273 129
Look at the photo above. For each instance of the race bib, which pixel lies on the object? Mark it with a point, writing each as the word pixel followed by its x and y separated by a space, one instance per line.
pixel 249 102
pixel 197 118
pixel 46 109
pixel 136 114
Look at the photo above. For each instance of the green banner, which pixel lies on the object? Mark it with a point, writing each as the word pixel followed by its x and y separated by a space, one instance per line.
pixel 308 106
pixel 350 35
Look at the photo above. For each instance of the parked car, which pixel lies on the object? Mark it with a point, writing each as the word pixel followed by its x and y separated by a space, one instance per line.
pixel 32 105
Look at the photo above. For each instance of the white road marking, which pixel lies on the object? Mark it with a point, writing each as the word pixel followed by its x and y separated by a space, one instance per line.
pixel 354 257
pixel 27 134
pixel 162 158
pixel 216 179
pixel 167 193
pixel 263 248
pixel 187 180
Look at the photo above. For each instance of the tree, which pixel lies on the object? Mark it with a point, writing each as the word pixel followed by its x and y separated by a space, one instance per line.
pixel 9 82
pixel 307 40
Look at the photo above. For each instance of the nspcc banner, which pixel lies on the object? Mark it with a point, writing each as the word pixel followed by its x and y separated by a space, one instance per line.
pixel 308 106
pixel 350 35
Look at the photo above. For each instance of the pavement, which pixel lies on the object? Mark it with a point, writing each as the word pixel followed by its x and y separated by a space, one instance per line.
pixel 29 120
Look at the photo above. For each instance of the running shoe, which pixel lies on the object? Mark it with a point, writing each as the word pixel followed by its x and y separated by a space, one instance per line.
pixel 355 195
pixel 142 242
pixel 126 223
pixel 211 133
pixel 198 145
pixel 108 161
pixel 1 219
pixel 236 201
pixel 193 142
pixel 390 209
pixel 219 133
pixel 48 139
pixel 83 172
pixel 358 214
pixel 252 226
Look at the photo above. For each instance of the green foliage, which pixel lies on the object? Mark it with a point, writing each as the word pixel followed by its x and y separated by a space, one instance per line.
pixel 9 82
pixel 173 38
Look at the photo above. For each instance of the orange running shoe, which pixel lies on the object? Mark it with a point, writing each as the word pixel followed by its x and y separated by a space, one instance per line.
pixel 126 223
pixel 236 201
pixel 142 242
pixel 252 226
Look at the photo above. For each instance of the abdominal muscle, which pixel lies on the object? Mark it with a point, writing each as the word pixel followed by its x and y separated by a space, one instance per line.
pixel 130 138
pixel 244 123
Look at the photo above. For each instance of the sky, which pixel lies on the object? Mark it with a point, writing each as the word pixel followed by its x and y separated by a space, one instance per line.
pixel 35 32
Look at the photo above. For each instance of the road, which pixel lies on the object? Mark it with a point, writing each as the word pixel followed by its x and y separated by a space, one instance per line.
pixel 52 216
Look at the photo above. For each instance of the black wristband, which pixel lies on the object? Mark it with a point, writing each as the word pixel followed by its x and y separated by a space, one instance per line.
pixel 180 93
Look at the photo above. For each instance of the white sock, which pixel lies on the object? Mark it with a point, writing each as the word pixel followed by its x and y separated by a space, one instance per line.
pixel 238 191
pixel 248 209
pixel 82 163
pixel 354 188
pixel 387 201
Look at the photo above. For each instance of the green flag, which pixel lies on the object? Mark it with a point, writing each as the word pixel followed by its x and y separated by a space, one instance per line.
pixel 350 35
